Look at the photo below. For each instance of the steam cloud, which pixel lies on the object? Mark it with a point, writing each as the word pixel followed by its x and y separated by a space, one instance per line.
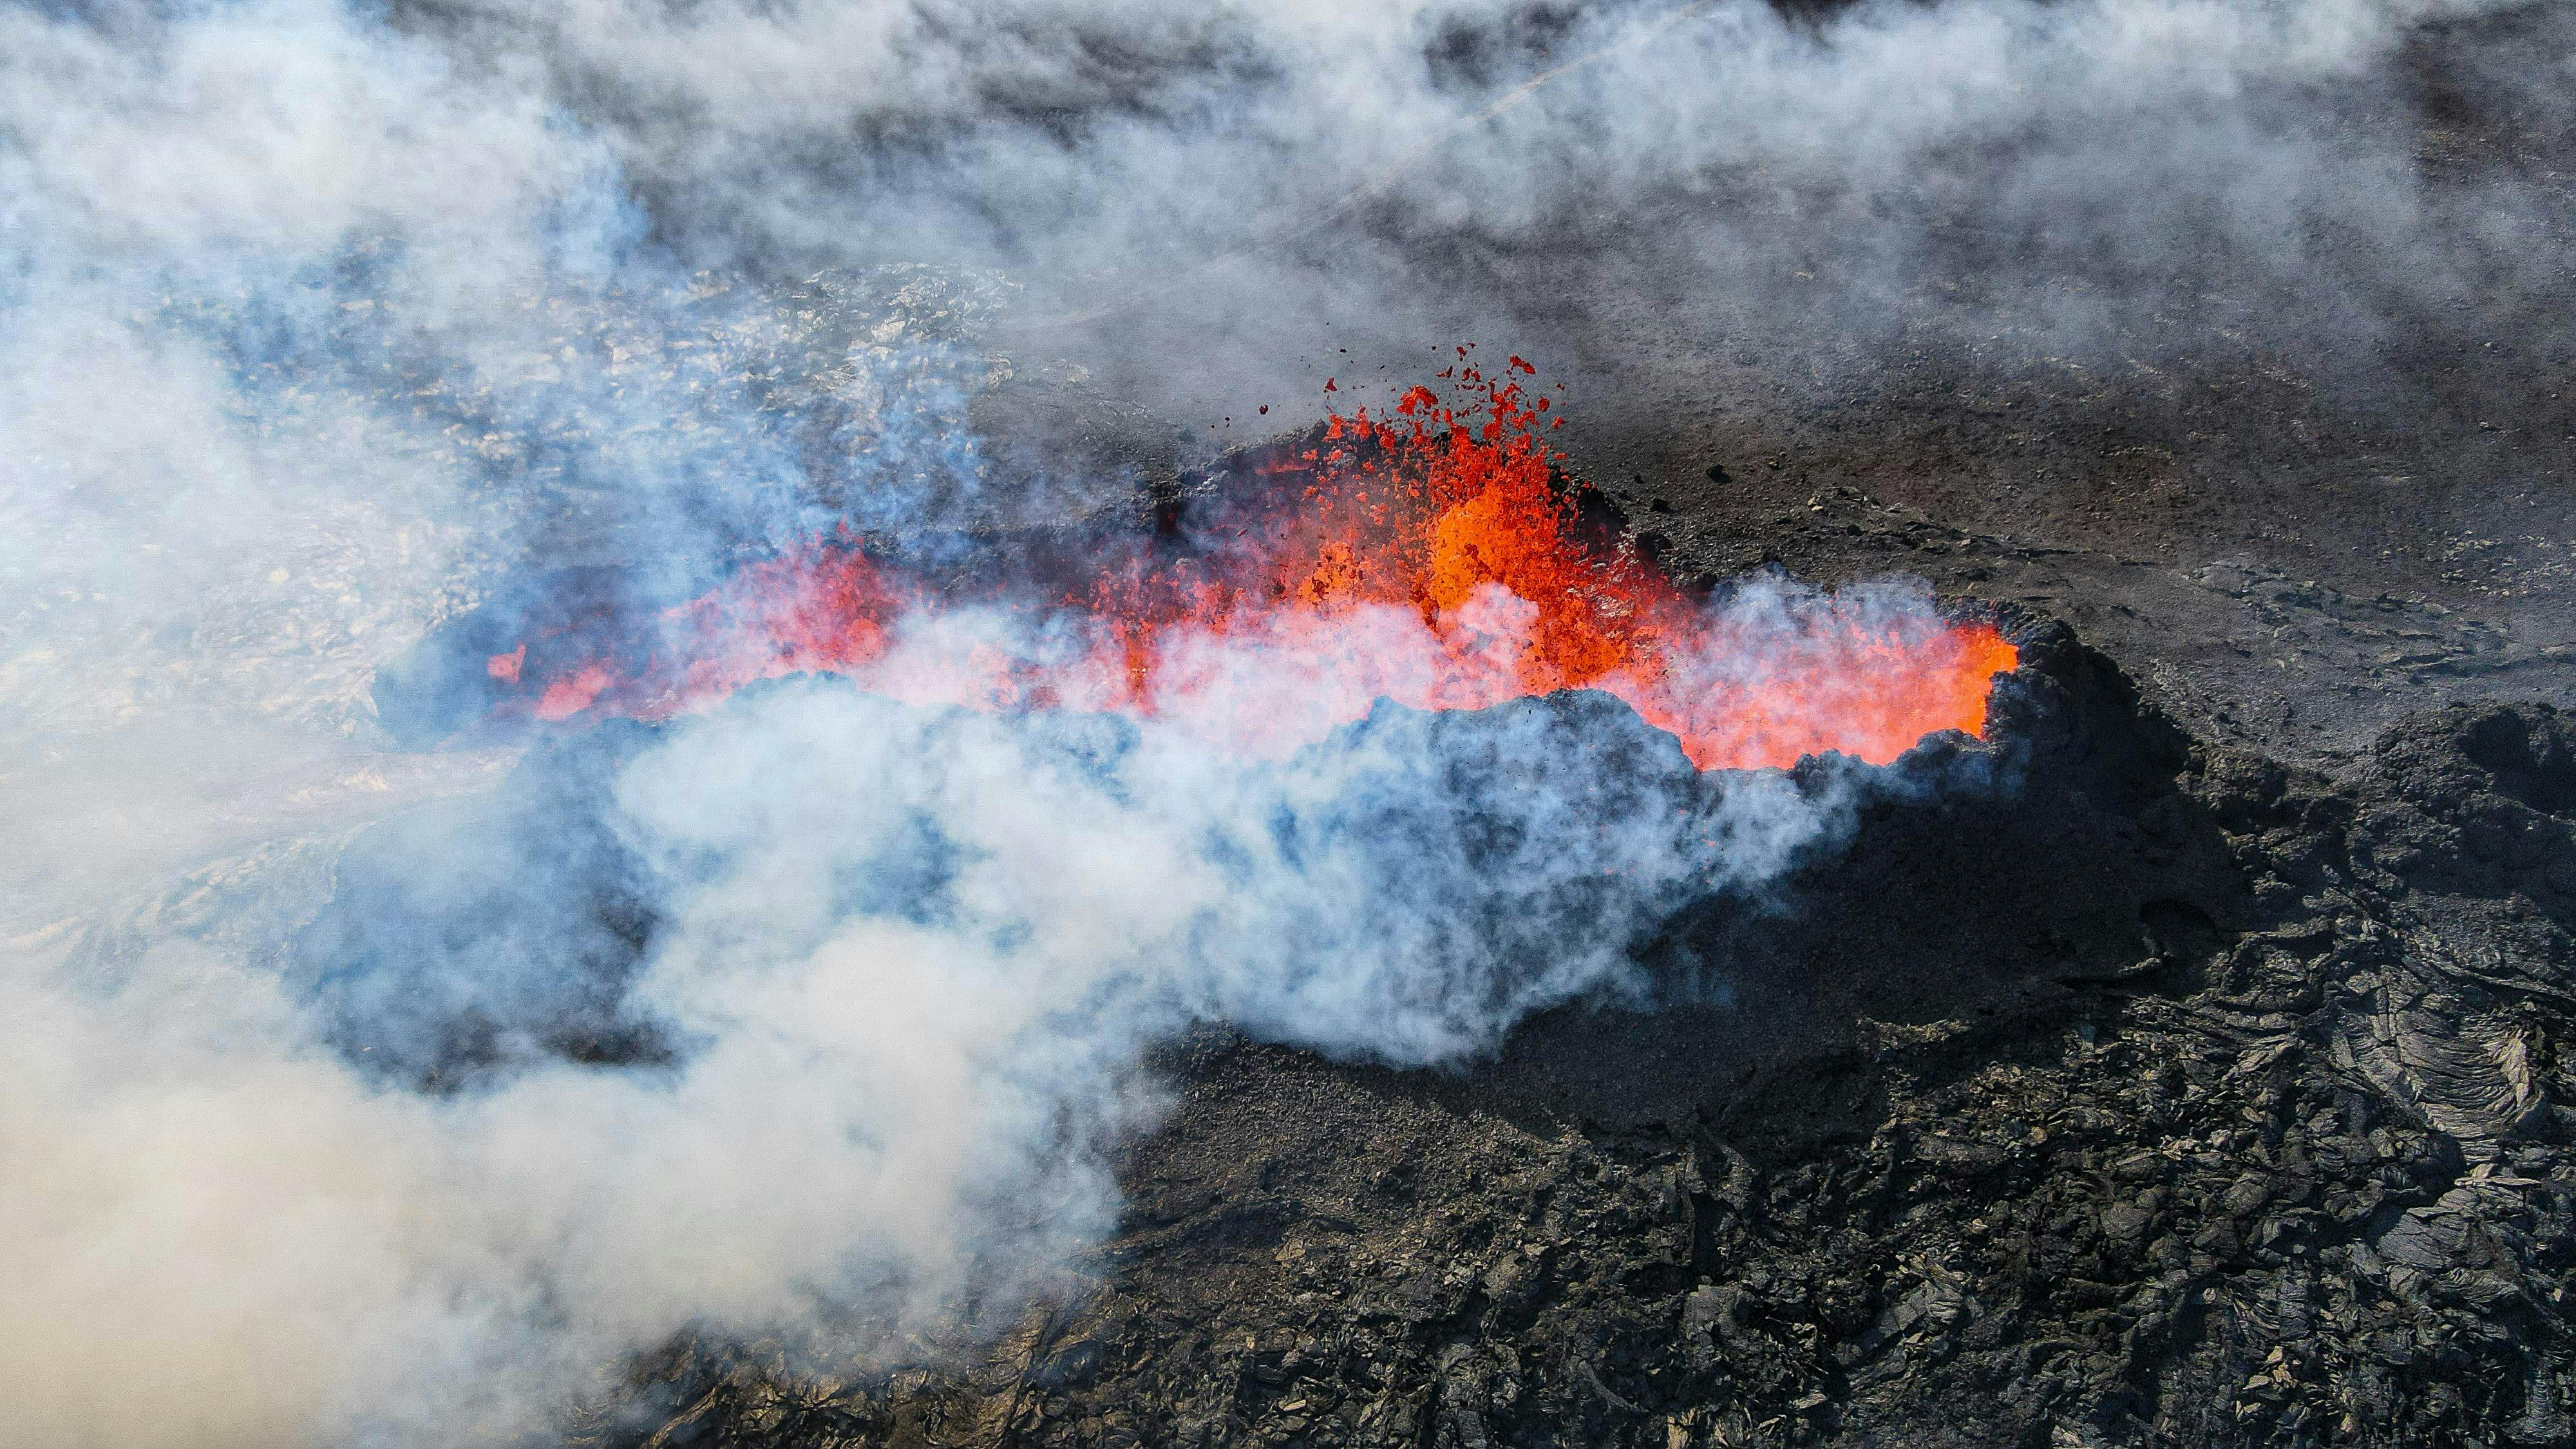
pixel 322 323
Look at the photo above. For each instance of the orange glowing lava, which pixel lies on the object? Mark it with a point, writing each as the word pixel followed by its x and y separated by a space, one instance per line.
pixel 1431 556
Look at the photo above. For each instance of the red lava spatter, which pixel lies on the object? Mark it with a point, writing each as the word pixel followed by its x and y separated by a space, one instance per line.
pixel 1429 556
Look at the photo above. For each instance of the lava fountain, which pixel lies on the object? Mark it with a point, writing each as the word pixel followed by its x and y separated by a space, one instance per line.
pixel 1432 555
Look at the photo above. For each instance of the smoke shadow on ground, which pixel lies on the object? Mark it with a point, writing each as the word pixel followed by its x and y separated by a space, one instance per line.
pixel 472 935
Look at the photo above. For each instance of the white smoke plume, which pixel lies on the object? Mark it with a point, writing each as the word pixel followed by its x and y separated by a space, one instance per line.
pixel 906 959
pixel 318 323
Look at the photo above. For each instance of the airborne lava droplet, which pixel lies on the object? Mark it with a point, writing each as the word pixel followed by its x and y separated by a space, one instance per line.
pixel 1433 556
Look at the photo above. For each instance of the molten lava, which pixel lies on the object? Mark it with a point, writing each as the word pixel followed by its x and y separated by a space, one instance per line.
pixel 1430 556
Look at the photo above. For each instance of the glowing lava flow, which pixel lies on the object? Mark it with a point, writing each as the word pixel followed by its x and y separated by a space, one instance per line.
pixel 1429 556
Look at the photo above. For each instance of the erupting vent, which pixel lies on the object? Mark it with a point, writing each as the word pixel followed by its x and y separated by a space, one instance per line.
pixel 1430 556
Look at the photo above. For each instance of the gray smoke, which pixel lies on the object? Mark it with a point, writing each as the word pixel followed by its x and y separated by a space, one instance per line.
pixel 323 323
